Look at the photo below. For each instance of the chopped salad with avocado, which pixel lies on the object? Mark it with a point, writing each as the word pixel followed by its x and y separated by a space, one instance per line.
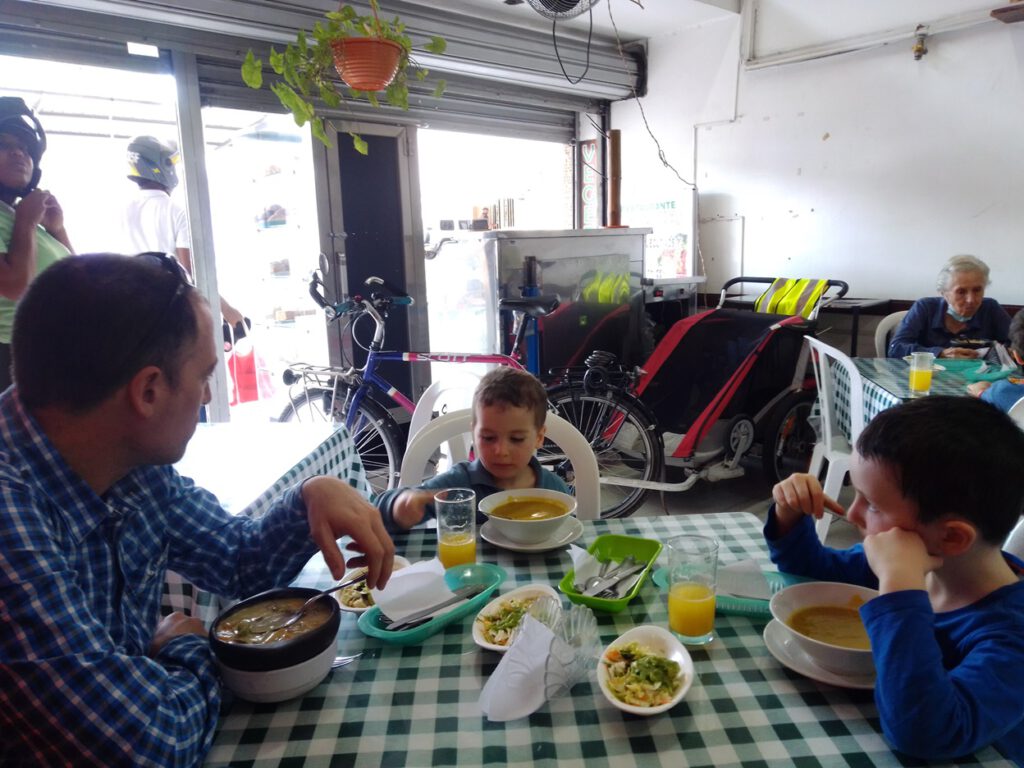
pixel 498 627
pixel 640 678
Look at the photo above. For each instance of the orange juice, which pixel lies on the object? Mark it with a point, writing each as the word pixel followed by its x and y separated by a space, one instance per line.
pixel 691 609
pixel 920 380
pixel 456 549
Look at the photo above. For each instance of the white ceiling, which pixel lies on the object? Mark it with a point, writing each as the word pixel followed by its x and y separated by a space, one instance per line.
pixel 635 19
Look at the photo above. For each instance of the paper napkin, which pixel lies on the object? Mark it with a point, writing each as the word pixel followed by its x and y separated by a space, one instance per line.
pixel 412 588
pixel 542 663
pixel 743 579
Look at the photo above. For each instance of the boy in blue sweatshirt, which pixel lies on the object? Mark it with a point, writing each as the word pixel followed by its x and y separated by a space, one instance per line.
pixel 939 485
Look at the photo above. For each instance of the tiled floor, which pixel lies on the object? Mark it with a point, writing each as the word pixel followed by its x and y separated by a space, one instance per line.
pixel 750 493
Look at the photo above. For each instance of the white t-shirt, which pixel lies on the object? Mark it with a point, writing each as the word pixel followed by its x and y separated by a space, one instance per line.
pixel 153 221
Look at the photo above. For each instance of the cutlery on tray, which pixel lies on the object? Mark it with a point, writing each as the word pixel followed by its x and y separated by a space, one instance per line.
pixel 425 614
pixel 610 581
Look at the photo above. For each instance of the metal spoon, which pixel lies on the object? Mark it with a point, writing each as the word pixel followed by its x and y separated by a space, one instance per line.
pixel 265 624
pixel 593 581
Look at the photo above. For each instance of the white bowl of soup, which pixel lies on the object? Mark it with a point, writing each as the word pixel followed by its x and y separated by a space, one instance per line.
pixel 277 665
pixel 528 515
pixel 823 618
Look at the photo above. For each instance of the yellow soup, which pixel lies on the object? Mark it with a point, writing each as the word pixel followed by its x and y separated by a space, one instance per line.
pixel 236 627
pixel 833 625
pixel 529 509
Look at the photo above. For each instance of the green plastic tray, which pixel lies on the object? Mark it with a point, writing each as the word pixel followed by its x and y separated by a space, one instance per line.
pixel 459 576
pixel 742 606
pixel 618 548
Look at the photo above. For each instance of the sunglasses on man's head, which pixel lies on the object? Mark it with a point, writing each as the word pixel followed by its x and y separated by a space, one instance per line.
pixel 169 264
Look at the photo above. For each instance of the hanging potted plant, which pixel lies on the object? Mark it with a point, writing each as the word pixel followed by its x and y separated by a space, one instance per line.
pixel 370 55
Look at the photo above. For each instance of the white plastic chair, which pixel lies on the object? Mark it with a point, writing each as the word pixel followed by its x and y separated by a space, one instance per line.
pixel 1015 541
pixel 1017 412
pixel 833 445
pixel 563 434
pixel 885 328
pixel 454 392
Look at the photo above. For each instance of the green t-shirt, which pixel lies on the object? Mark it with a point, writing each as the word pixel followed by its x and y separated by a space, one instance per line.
pixel 48 250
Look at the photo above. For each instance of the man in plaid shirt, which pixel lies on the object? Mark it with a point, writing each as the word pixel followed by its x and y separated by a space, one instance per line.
pixel 112 361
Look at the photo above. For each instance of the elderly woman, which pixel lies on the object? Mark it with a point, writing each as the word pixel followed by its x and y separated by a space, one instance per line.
pixel 959 321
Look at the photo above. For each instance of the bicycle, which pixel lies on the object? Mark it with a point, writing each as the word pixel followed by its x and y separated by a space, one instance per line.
pixel 596 400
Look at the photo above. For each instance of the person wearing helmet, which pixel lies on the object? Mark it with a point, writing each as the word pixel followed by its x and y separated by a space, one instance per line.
pixel 32 234
pixel 153 221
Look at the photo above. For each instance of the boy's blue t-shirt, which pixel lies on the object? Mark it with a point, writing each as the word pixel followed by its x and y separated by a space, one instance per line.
pixel 948 684
pixel 465 474
pixel 1004 394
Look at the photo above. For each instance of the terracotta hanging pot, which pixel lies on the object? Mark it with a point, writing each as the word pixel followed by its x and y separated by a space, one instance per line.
pixel 366 63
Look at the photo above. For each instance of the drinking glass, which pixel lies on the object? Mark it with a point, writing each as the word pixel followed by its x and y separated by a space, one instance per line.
pixel 456 526
pixel 921 364
pixel 693 565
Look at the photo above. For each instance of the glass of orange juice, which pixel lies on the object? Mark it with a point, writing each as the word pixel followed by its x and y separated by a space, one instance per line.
pixel 693 565
pixel 456 526
pixel 921 364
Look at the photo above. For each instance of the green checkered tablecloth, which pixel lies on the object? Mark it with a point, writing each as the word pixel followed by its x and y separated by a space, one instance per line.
pixel 886 382
pixel 247 467
pixel 418 705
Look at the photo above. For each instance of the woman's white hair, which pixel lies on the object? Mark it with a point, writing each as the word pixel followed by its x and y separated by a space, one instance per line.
pixel 961 263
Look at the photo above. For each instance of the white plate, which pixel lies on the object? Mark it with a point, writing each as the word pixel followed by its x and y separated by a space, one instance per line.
pixel 781 646
pixel 661 642
pixel 530 590
pixel 935 366
pixel 570 531
pixel 400 562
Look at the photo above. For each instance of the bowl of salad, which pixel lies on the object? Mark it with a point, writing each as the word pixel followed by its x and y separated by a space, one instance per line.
pixel 357 598
pixel 495 626
pixel 645 671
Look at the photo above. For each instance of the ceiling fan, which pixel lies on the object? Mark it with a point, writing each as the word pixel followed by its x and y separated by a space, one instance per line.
pixel 557 10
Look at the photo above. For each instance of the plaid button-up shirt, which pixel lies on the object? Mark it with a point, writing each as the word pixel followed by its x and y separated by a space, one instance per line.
pixel 80 585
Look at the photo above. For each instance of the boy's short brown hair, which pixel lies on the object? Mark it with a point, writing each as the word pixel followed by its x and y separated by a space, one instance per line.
pixel 512 387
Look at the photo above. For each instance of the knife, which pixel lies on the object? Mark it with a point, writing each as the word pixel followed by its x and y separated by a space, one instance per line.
pixel 611 581
pixel 460 594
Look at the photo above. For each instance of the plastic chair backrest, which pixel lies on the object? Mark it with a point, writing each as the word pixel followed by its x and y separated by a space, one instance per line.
pixel 826 360
pixel 454 392
pixel 884 331
pixel 559 431
pixel 791 296
pixel 1017 412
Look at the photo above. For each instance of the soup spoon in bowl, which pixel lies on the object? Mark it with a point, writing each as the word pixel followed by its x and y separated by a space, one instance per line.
pixel 262 625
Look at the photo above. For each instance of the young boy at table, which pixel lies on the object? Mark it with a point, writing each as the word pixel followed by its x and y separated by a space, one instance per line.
pixel 938 486
pixel 1005 393
pixel 509 410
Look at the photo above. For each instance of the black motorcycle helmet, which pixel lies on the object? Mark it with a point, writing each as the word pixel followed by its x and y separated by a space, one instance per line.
pixel 17 119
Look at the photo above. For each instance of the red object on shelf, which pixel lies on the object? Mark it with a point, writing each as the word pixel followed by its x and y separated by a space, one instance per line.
pixel 366 63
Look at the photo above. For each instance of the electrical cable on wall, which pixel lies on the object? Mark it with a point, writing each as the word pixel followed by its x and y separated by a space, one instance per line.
pixel 650 132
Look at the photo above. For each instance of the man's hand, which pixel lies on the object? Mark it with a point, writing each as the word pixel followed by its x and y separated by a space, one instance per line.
pixel 410 506
pixel 959 352
pixel 798 495
pixel 36 206
pixel 171 627
pixel 899 559
pixel 335 509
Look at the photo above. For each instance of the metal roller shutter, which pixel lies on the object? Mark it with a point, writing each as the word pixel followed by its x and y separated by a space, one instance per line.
pixel 501 79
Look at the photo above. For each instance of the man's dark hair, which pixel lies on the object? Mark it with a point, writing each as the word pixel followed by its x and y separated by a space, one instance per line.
pixel 1017 332
pixel 87 324
pixel 511 386
pixel 955 456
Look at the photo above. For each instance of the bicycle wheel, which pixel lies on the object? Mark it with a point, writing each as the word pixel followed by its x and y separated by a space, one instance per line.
pixel 789 437
pixel 624 439
pixel 375 434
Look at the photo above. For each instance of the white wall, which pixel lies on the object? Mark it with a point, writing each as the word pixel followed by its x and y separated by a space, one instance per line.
pixel 869 166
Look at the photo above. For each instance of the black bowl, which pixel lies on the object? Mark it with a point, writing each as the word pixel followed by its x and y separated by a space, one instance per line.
pixel 262 657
